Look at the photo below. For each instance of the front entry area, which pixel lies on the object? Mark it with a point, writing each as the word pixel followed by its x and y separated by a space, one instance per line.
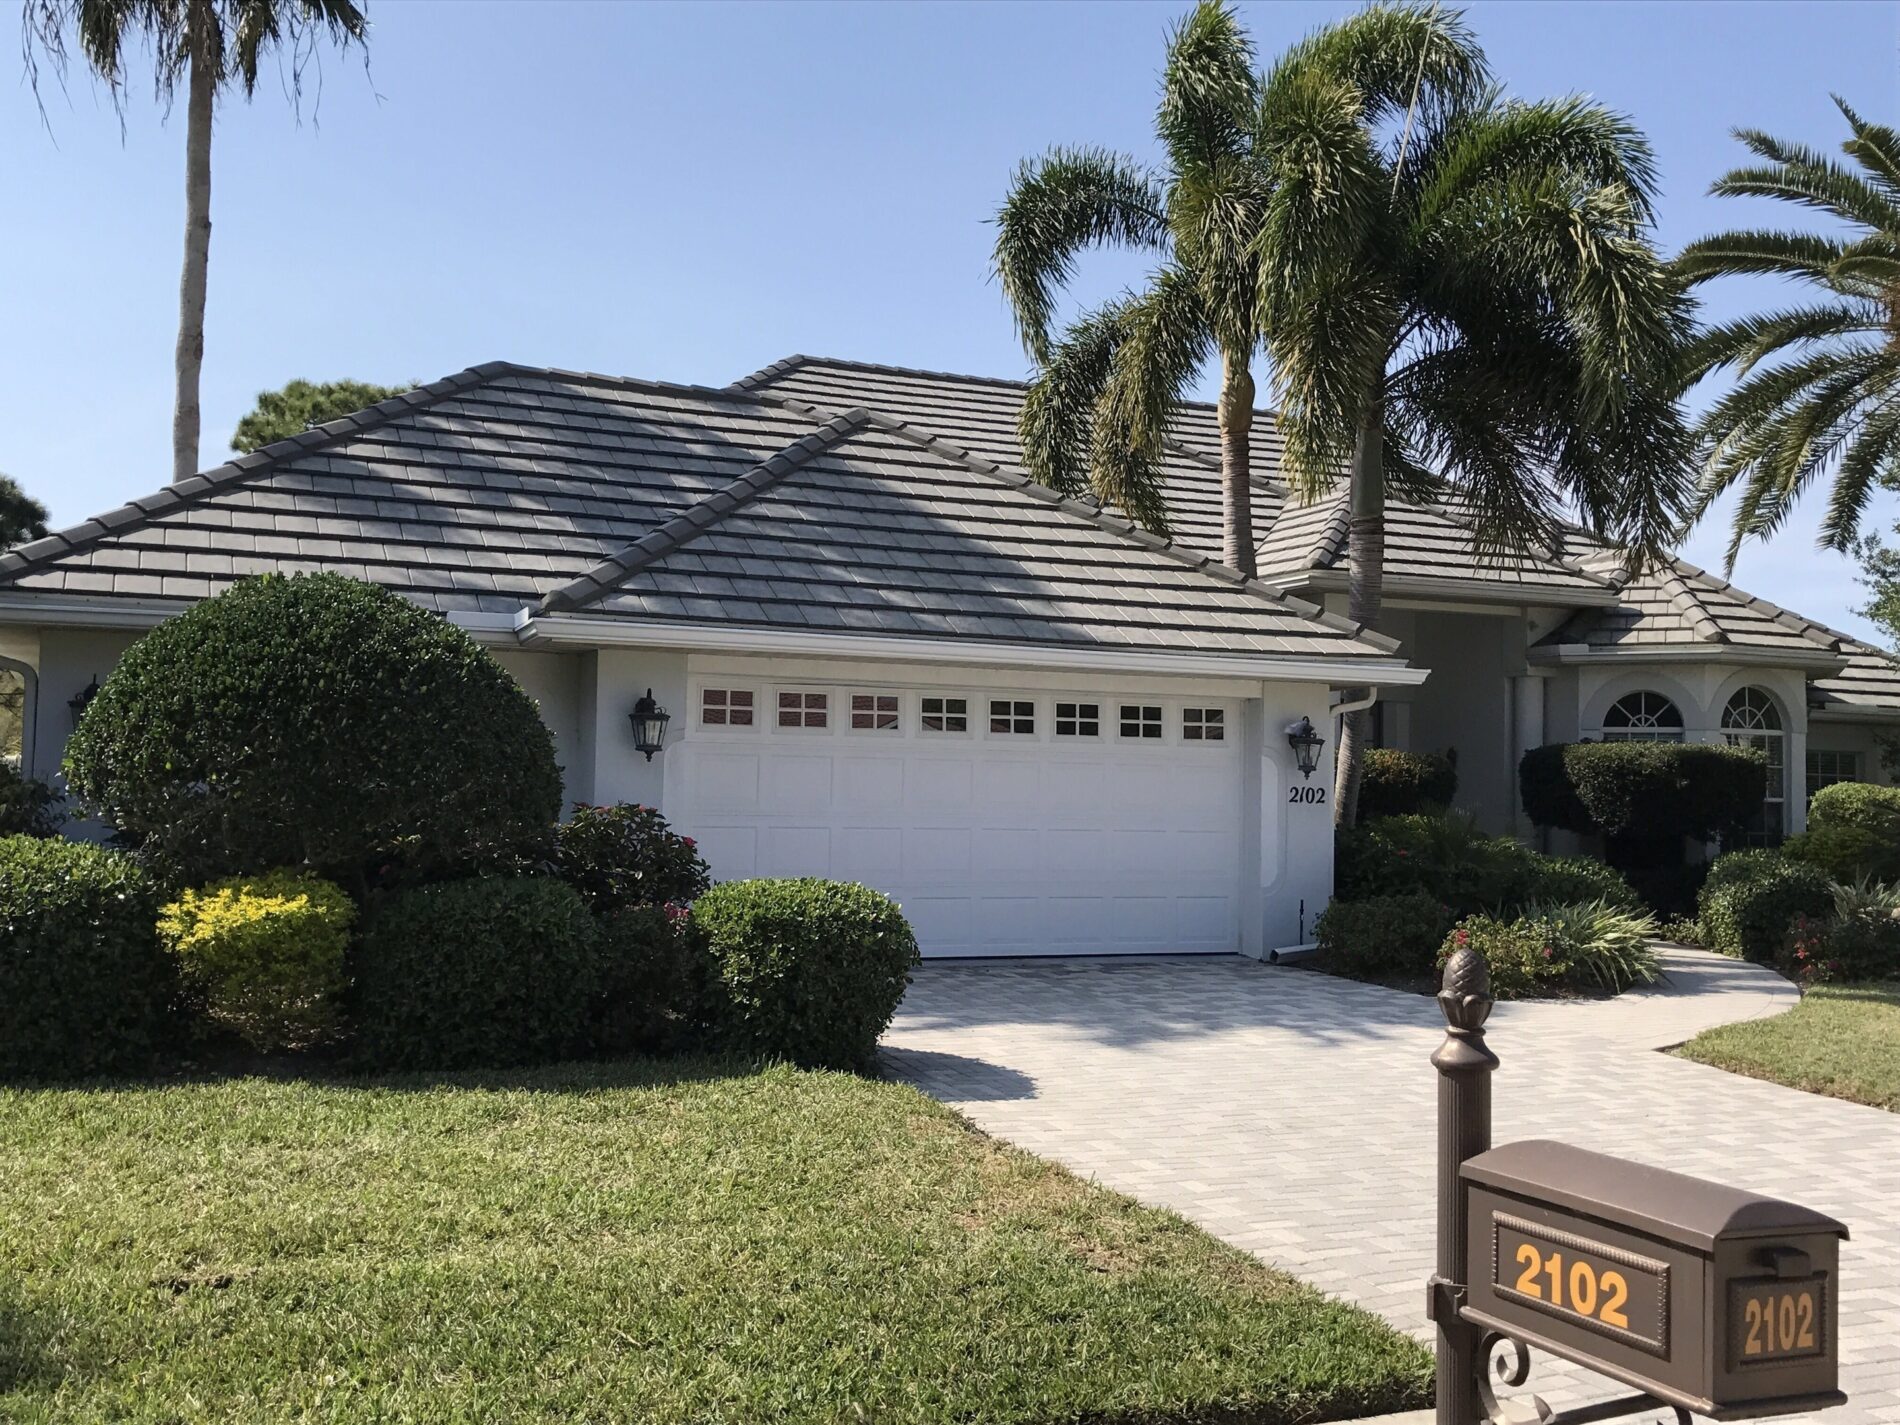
pixel 1005 821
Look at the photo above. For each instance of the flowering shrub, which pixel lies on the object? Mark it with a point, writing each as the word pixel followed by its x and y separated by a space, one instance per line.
pixel 1860 941
pixel 265 953
pixel 626 855
pixel 1522 957
pixel 1555 948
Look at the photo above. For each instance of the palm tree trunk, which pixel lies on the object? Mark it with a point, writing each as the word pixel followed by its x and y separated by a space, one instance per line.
pixel 1365 544
pixel 1236 466
pixel 191 287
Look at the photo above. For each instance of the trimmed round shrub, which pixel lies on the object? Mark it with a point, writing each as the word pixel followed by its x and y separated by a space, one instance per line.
pixel 1381 937
pixel 484 972
pixel 264 954
pixel 313 720
pixel 1653 789
pixel 1853 833
pixel 626 855
pixel 1396 783
pixel 648 984
pixel 84 987
pixel 1752 897
pixel 1859 804
pixel 805 970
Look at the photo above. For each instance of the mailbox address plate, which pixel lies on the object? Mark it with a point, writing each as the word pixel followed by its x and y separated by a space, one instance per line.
pixel 1576 1278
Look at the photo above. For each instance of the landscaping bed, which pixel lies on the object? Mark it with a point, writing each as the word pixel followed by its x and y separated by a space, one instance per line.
pixel 634 1241
pixel 1841 1040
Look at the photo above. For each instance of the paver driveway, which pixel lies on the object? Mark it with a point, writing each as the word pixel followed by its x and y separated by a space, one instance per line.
pixel 1291 1113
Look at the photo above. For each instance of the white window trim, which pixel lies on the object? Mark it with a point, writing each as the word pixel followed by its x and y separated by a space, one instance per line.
pixel 1115 720
pixel 1225 724
pixel 970 715
pixel 1038 720
pixel 1101 719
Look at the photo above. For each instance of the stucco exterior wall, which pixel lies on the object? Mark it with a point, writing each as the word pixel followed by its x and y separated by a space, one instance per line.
pixel 1860 738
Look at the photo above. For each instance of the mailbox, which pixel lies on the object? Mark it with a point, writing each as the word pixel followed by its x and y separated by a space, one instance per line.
pixel 1707 1297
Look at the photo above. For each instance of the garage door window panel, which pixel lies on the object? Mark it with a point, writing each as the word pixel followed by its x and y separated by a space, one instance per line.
pixel 874 712
pixel 1078 719
pixel 1203 725
pixel 1140 722
pixel 944 716
pixel 727 707
pixel 1012 717
pixel 802 711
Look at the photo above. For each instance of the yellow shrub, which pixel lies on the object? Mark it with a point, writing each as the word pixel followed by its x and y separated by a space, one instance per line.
pixel 266 952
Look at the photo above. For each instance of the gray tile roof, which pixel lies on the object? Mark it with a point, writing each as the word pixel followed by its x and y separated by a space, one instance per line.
pixel 504 487
pixel 1868 686
pixel 870 526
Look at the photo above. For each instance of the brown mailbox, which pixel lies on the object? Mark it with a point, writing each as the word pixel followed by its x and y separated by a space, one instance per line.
pixel 1710 1298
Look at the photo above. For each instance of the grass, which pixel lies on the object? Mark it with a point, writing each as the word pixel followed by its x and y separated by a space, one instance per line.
pixel 636 1242
pixel 1841 1040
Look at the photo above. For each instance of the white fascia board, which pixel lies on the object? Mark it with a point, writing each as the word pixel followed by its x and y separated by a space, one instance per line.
pixel 1477 591
pixel 1853 714
pixel 112 611
pixel 561 629
pixel 1570 654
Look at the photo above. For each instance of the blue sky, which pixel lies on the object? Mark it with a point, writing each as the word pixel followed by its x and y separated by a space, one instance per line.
pixel 690 192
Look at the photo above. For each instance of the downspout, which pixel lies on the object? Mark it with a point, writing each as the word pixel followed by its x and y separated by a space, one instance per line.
pixel 1357 705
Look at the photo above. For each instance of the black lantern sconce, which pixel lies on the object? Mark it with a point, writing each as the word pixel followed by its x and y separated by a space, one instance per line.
pixel 649 721
pixel 1306 744
pixel 81 700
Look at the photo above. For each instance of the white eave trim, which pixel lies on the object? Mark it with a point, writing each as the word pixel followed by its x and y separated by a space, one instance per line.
pixel 117 611
pixel 1479 591
pixel 1829 712
pixel 1812 660
pixel 566 630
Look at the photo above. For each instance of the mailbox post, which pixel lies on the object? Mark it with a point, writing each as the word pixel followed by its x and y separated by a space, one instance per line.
pixel 1702 1297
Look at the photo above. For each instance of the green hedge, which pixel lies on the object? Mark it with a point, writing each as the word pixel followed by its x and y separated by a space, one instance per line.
pixel 84 987
pixel 264 954
pixel 626 855
pixel 1395 783
pixel 313 720
pixel 1853 833
pixel 1658 790
pixel 1752 898
pixel 649 984
pixel 1381 937
pixel 805 970
pixel 1448 859
pixel 492 970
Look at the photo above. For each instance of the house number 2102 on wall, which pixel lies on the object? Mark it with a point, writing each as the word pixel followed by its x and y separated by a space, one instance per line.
pixel 1306 794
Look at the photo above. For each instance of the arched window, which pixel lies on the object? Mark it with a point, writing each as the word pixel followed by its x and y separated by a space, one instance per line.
pixel 1751 719
pixel 1642 717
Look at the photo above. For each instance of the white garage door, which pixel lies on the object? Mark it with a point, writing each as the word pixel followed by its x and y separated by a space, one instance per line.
pixel 1003 823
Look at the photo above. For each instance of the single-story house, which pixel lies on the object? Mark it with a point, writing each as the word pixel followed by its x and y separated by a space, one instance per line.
pixel 889 656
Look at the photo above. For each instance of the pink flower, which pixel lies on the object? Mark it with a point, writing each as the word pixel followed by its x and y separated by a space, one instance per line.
pixel 688 842
pixel 1463 937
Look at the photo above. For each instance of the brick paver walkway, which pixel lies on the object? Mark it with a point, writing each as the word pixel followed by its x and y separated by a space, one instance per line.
pixel 1291 1114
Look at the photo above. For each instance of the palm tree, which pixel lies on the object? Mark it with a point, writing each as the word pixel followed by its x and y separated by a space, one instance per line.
pixel 1459 295
pixel 1097 412
pixel 1829 405
pixel 21 516
pixel 207 44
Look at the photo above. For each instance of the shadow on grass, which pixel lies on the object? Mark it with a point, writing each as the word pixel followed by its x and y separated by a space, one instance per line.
pixel 27 1334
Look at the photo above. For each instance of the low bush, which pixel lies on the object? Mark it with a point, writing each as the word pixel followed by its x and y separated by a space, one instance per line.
pixel 1751 898
pixel 649 983
pixel 28 806
pixel 488 971
pixel 1445 857
pixel 1655 789
pixel 1861 804
pixel 1575 880
pixel 1395 783
pixel 1520 954
pixel 805 970
pixel 264 955
pixel 1604 944
pixel 1381 937
pixel 84 987
pixel 1859 940
pixel 626 855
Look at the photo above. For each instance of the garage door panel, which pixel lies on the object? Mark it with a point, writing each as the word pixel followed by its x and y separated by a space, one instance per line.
pixel 992 844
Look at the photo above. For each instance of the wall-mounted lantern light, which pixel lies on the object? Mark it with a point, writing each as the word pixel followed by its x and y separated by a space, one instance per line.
pixel 81 700
pixel 649 725
pixel 1306 744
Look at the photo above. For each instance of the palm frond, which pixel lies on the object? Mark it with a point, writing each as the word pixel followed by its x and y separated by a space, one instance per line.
pixel 1165 339
pixel 1208 90
pixel 1747 341
pixel 1781 254
pixel 1058 411
pixel 1872 461
pixel 1876 147
pixel 1066 201
pixel 1386 53
pixel 1813 182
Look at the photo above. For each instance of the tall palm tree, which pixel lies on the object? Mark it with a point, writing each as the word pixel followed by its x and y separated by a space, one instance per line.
pixel 1460 292
pixel 207 44
pixel 1097 412
pixel 1829 405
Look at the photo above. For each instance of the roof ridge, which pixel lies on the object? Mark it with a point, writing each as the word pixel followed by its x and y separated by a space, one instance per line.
pixel 662 540
pixel 1795 623
pixel 1127 529
pixel 1332 535
pixel 798 359
pixel 266 458
pixel 1683 600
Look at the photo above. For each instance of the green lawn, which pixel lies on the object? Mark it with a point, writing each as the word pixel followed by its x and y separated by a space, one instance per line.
pixel 1841 1040
pixel 621 1243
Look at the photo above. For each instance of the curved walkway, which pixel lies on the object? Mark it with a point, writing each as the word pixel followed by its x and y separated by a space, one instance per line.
pixel 1292 1113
